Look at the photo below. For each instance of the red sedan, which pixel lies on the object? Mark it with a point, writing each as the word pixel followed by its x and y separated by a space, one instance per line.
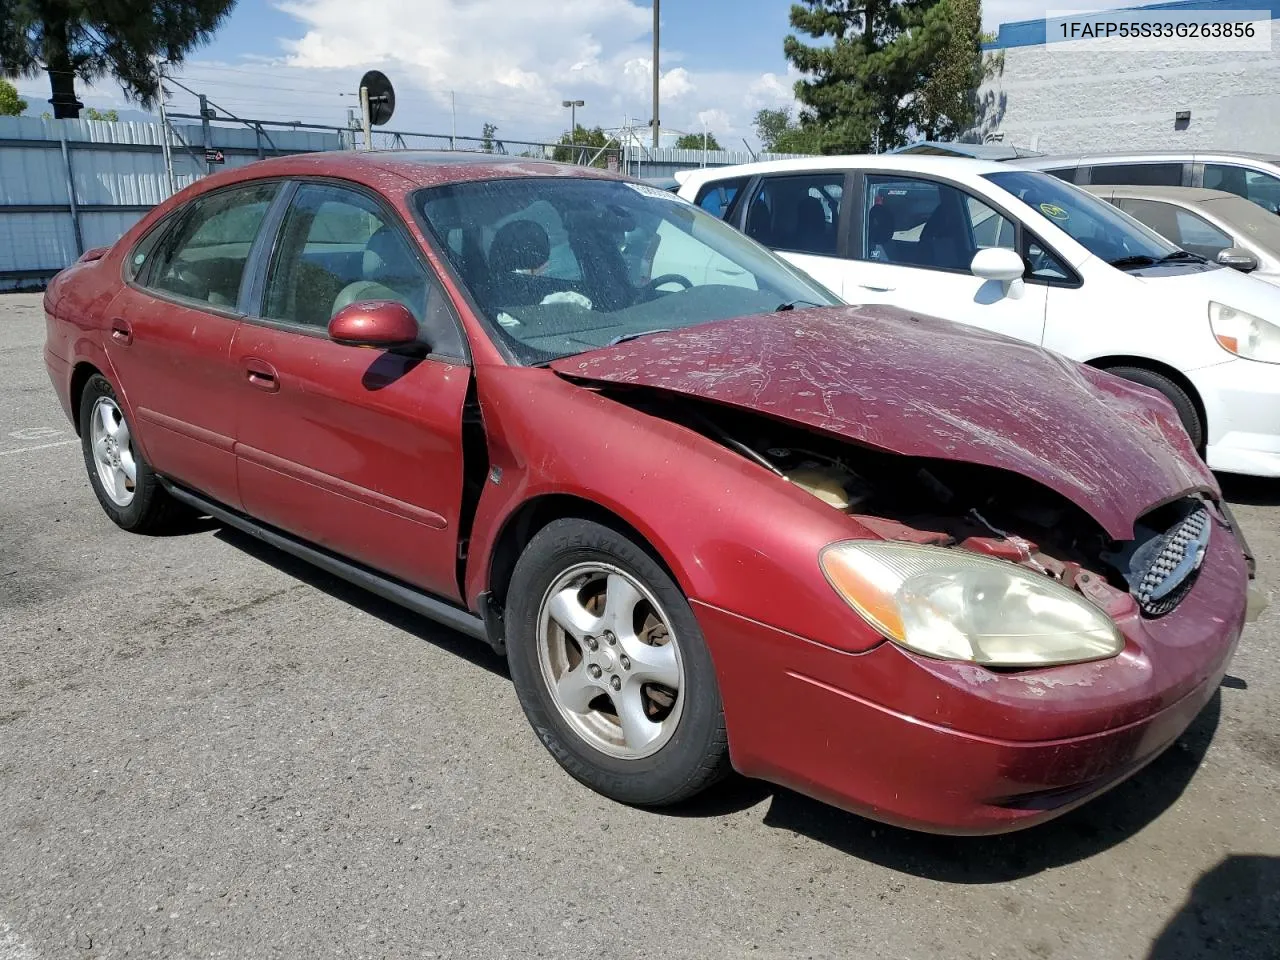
pixel 713 518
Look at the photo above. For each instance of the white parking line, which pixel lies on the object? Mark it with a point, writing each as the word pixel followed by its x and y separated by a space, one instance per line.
pixel 42 446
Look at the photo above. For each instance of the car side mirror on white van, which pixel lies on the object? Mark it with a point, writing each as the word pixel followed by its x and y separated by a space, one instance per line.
pixel 1004 266
pixel 1237 258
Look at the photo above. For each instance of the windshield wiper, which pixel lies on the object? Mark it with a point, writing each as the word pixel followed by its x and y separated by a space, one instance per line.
pixel 633 336
pixel 791 305
pixel 1183 255
pixel 1140 260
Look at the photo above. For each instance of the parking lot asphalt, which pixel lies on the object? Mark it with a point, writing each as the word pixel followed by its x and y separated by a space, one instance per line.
pixel 208 749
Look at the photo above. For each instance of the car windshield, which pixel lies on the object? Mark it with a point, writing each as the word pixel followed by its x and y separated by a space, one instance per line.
pixel 1248 219
pixel 561 265
pixel 1095 224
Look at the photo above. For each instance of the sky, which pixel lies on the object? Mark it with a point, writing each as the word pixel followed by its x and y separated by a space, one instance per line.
pixel 506 62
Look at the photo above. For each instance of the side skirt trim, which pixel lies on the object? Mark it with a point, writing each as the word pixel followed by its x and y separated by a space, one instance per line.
pixel 386 587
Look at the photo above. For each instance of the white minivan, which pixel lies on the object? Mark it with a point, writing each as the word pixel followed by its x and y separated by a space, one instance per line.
pixel 1022 253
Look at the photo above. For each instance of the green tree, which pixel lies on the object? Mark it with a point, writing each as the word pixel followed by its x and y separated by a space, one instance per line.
pixel 947 102
pixel 572 144
pixel 779 132
pixel 862 76
pixel 486 137
pixel 11 105
pixel 89 39
pixel 93 114
pixel 693 141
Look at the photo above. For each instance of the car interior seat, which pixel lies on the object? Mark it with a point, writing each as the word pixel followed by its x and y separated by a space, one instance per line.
pixel 942 241
pixel 390 272
pixel 812 232
pixel 518 249
pixel 880 232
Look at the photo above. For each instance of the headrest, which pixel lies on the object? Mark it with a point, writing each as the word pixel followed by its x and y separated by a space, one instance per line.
pixel 519 245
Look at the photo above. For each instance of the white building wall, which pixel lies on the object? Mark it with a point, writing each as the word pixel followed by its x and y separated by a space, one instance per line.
pixel 1057 101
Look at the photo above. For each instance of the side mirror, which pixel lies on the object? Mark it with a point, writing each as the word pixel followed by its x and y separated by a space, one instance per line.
pixel 1237 258
pixel 374 323
pixel 1004 266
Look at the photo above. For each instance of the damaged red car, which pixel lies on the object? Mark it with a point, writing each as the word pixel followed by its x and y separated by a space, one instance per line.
pixel 713 518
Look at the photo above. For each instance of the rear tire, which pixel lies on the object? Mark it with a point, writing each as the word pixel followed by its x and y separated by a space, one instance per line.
pixel 1175 394
pixel 624 697
pixel 123 481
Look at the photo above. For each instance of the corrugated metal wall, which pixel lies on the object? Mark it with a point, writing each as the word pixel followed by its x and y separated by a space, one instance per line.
pixel 118 174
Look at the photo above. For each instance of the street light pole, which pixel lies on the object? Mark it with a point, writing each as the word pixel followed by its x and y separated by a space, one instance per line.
pixel 656 4
pixel 573 106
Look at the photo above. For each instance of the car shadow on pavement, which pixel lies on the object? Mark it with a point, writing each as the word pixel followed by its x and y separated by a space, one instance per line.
pixel 1078 835
pixel 1232 911
pixel 1254 491
pixel 469 649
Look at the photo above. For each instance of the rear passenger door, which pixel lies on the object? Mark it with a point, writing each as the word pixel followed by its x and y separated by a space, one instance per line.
pixel 358 450
pixel 801 217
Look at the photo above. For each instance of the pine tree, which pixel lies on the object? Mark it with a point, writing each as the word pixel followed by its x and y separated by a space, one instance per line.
pixel 89 39
pixel 860 92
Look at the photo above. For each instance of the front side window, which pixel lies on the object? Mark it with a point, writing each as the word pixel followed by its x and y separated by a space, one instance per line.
pixel 337 246
pixel 1095 224
pixel 1199 235
pixel 204 256
pixel 1160 217
pixel 1137 174
pixel 924 223
pixel 646 261
pixel 1254 185
pixel 716 198
pixel 798 213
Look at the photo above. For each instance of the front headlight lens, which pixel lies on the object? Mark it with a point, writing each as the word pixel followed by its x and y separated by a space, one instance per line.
pixel 953 605
pixel 1244 334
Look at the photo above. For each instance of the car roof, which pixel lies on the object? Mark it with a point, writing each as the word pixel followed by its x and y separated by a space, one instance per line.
pixel 419 167
pixel 977 151
pixel 1170 194
pixel 1125 156
pixel 893 162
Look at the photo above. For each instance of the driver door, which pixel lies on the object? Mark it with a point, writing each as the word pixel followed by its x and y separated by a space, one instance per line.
pixel 355 449
pixel 919 237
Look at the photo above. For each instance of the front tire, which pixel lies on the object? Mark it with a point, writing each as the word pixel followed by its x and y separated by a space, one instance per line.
pixel 126 486
pixel 611 668
pixel 1187 412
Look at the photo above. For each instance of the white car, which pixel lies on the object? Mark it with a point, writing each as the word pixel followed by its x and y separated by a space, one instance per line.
pixel 1025 254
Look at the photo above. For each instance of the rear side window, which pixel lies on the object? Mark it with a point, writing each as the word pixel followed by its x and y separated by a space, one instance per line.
pixel 1254 185
pixel 203 257
pixel 800 214
pixel 1063 173
pixel 1137 174
pixel 717 197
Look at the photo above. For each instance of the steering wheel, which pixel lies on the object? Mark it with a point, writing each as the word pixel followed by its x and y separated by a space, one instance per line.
pixel 652 286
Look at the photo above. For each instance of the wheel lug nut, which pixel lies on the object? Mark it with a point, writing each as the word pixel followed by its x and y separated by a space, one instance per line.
pixel 609 638
pixel 625 661
pixel 594 671
pixel 615 683
pixel 593 643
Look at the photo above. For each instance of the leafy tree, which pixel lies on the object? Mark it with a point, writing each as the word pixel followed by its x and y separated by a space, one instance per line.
pixel 486 137
pixel 11 105
pixel 946 104
pixel 93 114
pixel 693 141
pixel 873 57
pixel 572 144
pixel 779 132
pixel 88 39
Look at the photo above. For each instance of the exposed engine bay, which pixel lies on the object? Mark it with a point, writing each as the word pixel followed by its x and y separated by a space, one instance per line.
pixel 971 507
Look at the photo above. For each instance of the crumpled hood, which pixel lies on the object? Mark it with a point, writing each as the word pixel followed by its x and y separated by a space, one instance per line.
pixel 925 387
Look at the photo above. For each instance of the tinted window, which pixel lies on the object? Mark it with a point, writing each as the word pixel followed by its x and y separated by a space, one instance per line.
pixel 338 246
pixel 203 257
pixel 1093 223
pixel 923 223
pixel 798 213
pixel 1160 217
pixel 1063 173
pixel 1254 185
pixel 715 198
pixel 1138 174
pixel 648 261
pixel 1199 235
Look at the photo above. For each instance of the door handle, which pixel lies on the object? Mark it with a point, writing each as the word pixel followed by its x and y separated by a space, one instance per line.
pixel 262 375
pixel 868 286
pixel 121 332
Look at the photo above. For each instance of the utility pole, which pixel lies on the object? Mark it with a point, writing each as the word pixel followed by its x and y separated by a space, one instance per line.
pixel 453 133
pixel 655 74
pixel 573 106
pixel 365 119
pixel 204 131
pixel 164 133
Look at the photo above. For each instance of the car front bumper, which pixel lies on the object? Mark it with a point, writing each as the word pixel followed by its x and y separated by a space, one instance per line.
pixel 1242 406
pixel 955 748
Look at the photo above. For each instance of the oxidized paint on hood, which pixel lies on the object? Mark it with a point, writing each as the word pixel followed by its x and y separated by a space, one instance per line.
pixel 925 387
